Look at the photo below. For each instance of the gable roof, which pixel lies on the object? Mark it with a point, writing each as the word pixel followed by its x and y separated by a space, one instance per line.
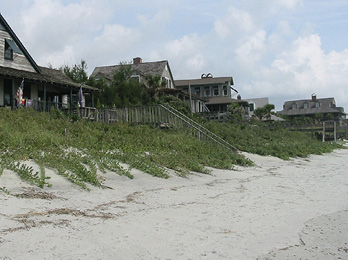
pixel 142 69
pixel 7 27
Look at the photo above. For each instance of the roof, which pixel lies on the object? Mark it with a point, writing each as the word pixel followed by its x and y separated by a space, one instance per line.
pixel 203 81
pixel 142 69
pixel 327 105
pixel 47 75
pixel 19 43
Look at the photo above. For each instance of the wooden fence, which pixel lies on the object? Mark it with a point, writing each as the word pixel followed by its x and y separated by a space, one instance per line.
pixel 325 131
pixel 162 116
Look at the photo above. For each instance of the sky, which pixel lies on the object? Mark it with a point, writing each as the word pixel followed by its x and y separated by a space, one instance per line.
pixel 280 49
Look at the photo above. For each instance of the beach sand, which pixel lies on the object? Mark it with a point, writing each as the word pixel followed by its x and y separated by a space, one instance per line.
pixel 296 209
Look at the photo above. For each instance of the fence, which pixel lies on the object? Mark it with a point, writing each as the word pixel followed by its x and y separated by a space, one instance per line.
pixel 325 131
pixel 163 116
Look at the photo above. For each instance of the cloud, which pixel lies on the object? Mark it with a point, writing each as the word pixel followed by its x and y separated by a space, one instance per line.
pixel 302 70
pixel 234 22
pixel 251 50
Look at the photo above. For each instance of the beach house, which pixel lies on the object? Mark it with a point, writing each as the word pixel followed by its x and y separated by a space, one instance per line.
pixel 217 91
pixel 321 108
pixel 24 83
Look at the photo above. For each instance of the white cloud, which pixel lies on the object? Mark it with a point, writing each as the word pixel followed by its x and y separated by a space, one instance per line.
pixel 250 51
pixel 302 70
pixel 234 23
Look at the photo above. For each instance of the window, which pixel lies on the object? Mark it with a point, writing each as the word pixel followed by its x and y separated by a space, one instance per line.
pixel 305 105
pixel 294 106
pixel 224 90
pixel 317 104
pixel 135 78
pixel 207 91
pixel 10 48
pixel 198 91
pixel 168 82
pixel 251 107
pixel 215 90
pixel 8 51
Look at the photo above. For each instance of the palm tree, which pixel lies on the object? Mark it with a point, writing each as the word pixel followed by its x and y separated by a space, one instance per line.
pixel 154 83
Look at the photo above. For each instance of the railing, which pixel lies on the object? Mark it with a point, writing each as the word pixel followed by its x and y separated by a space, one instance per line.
pixel 199 129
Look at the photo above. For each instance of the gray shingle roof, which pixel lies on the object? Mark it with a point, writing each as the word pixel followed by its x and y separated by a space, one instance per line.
pixel 308 107
pixel 142 69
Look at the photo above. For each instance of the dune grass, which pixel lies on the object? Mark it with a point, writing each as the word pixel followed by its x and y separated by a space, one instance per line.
pixel 77 149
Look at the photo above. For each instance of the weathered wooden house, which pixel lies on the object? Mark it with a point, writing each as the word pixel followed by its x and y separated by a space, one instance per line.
pixel 42 87
pixel 142 69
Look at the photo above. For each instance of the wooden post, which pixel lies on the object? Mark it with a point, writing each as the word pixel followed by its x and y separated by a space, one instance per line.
pixel 92 94
pixel 159 115
pixel 323 131
pixel 13 95
pixel 335 132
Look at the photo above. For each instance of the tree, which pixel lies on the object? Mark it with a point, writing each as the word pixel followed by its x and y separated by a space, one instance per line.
pixel 154 83
pixel 122 91
pixel 77 72
pixel 265 111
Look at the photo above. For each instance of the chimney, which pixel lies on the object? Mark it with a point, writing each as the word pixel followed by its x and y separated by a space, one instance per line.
pixel 314 97
pixel 137 60
pixel 239 97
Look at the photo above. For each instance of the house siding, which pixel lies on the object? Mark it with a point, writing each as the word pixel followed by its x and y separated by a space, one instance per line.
pixel 19 62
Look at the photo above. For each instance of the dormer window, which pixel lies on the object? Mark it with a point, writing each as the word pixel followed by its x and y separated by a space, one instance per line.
pixel 317 104
pixel 8 52
pixel 294 106
pixel 305 105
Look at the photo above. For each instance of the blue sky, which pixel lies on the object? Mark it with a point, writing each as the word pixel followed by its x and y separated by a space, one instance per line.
pixel 280 49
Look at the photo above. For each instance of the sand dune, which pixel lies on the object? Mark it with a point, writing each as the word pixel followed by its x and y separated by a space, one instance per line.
pixel 278 209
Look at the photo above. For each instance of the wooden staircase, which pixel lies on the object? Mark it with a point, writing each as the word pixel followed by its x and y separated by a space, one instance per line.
pixel 179 120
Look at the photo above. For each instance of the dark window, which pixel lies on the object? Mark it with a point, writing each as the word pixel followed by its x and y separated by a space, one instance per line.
pixel 198 91
pixel 207 91
pixel 225 90
pixel 8 52
pixel 251 107
pixel 215 90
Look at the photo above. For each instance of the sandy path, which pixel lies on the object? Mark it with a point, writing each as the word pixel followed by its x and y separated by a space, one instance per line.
pixel 275 210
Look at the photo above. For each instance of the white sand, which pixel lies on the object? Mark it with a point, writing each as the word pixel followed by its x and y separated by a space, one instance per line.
pixel 278 209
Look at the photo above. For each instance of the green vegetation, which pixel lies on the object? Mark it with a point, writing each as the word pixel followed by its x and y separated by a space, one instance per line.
pixel 260 138
pixel 76 149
